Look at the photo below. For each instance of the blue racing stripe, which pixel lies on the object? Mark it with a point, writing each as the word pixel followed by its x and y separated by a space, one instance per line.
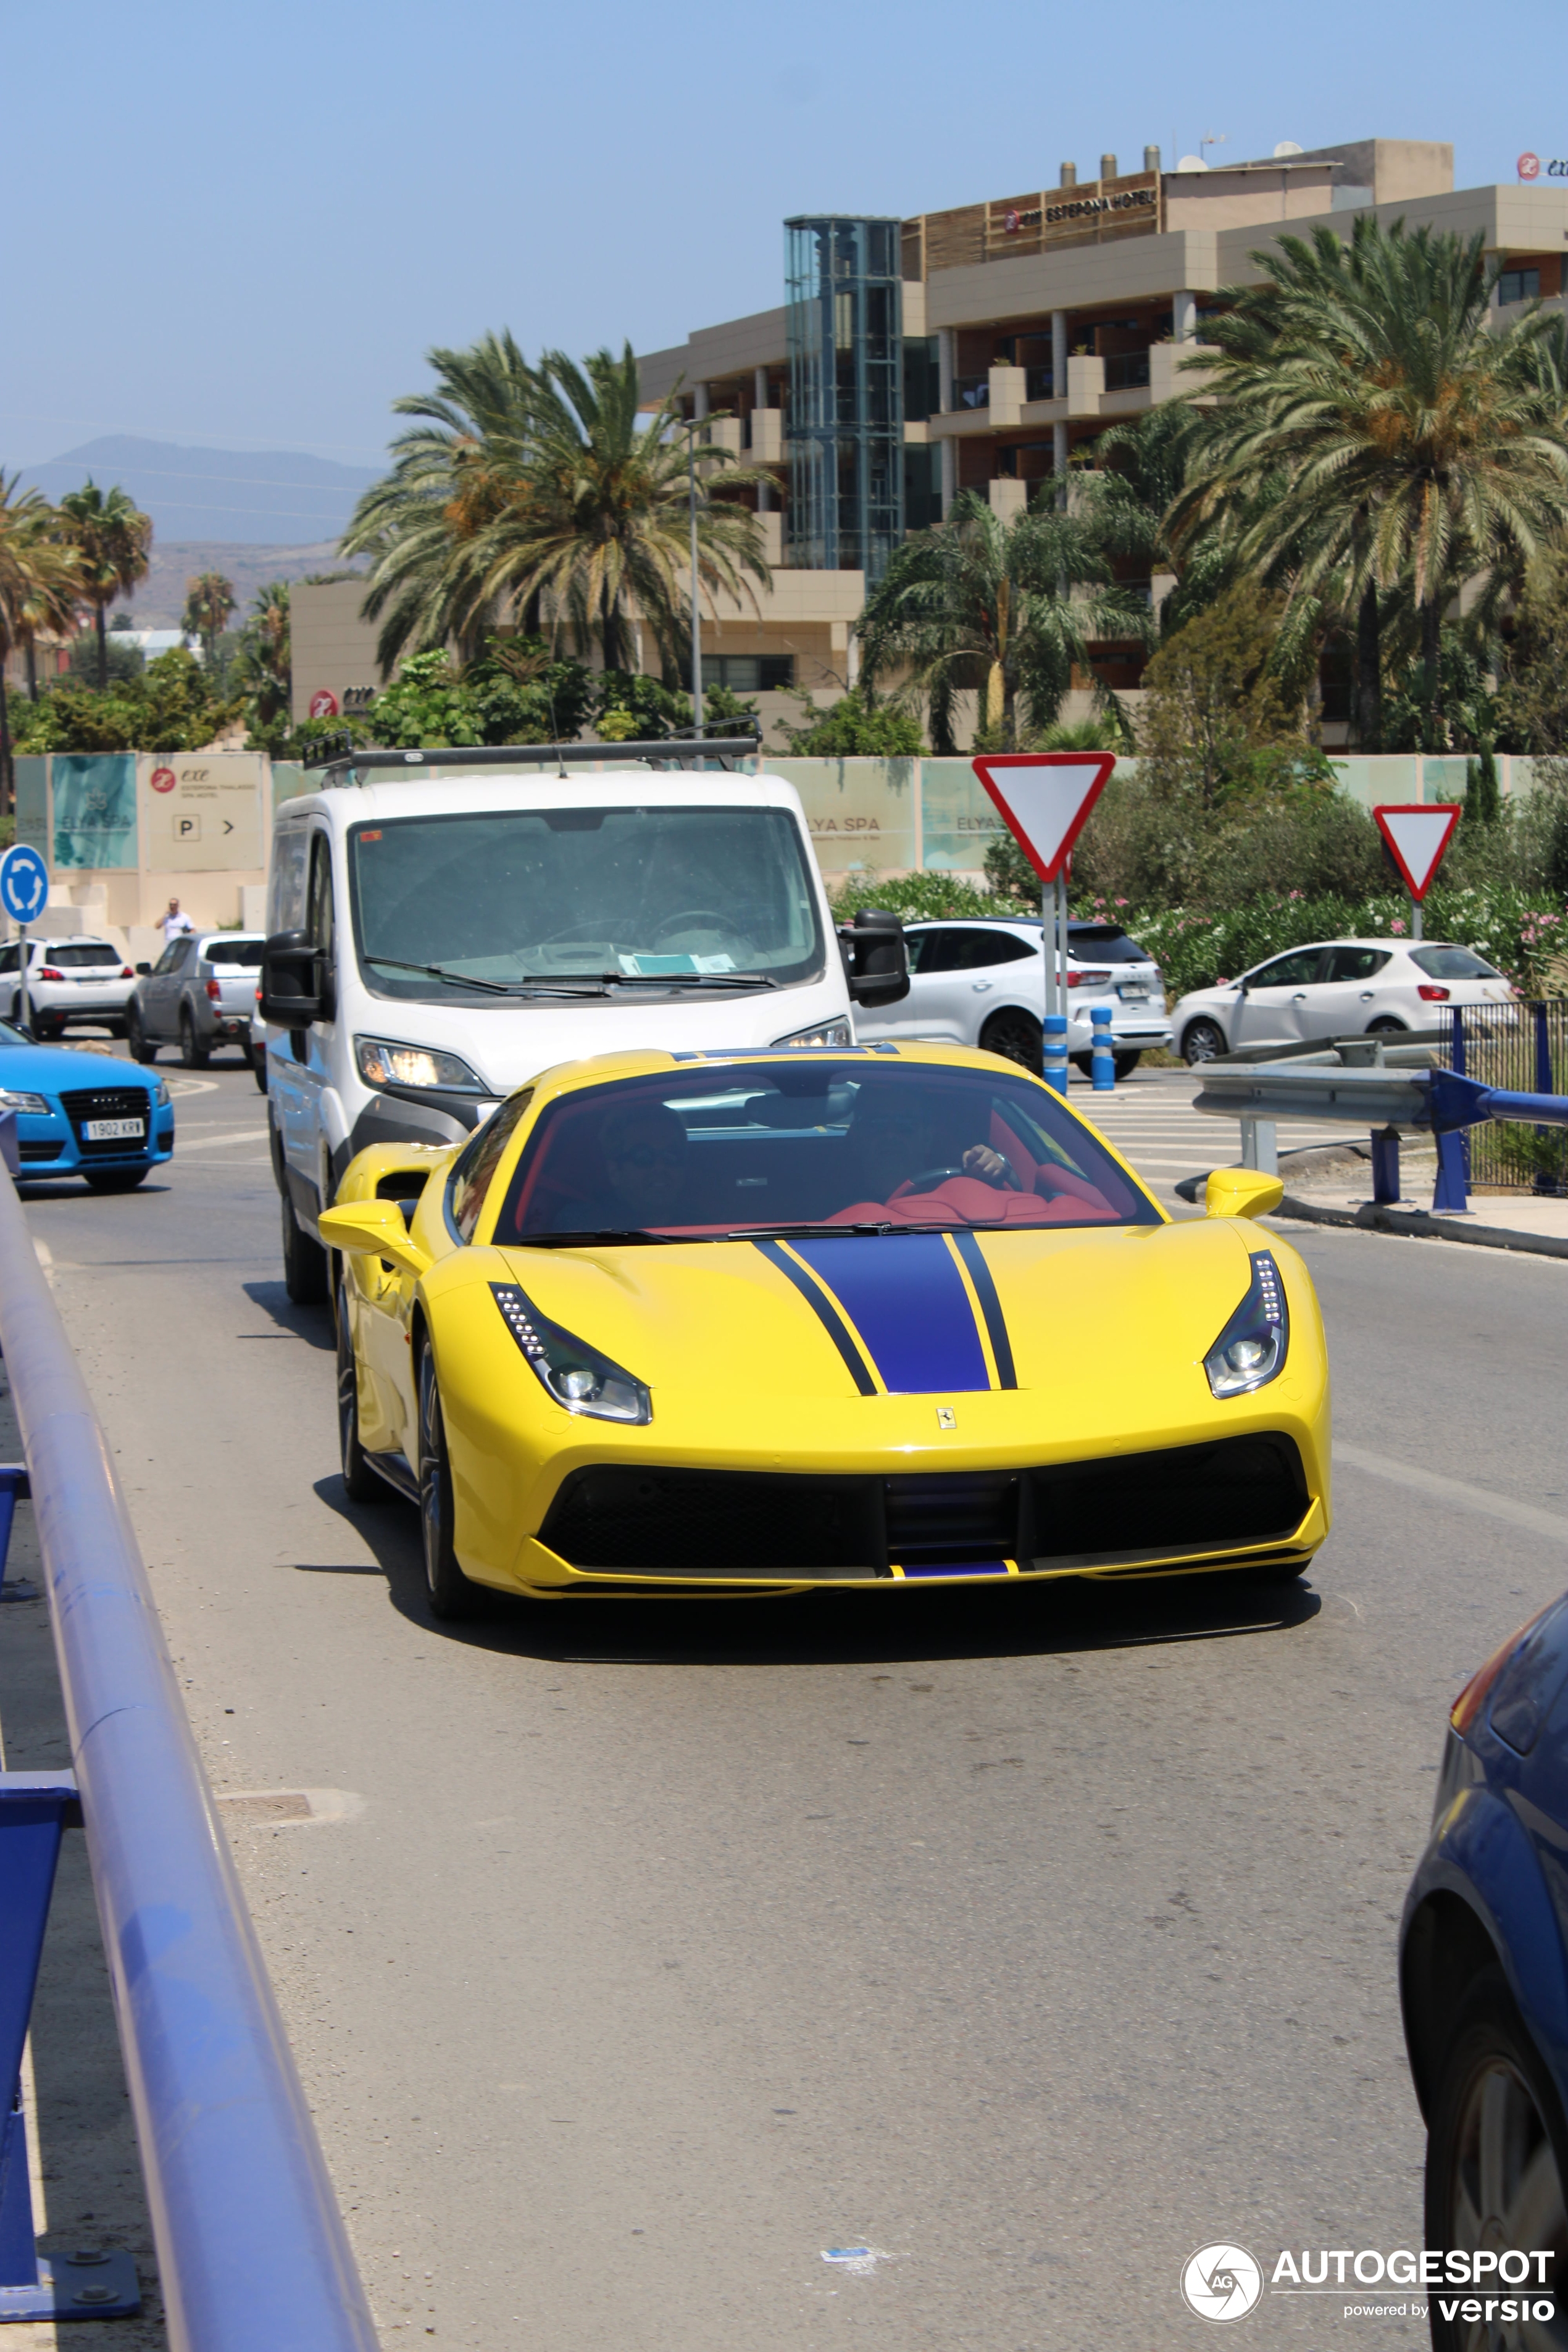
pixel 824 1312
pixel 905 1297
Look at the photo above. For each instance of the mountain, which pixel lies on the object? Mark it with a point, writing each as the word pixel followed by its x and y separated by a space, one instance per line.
pixel 158 602
pixel 249 498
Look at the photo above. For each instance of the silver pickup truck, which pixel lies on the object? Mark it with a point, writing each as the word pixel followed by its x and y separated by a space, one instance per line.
pixel 200 995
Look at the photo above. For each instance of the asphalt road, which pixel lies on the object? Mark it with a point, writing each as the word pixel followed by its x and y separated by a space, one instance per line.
pixel 1029 1941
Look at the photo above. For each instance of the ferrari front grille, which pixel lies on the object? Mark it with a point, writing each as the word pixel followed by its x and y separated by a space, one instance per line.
pixel 1234 1493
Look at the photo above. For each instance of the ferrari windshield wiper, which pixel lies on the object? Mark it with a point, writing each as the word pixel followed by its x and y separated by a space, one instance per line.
pixel 596 1233
pixel 488 987
pixel 788 1232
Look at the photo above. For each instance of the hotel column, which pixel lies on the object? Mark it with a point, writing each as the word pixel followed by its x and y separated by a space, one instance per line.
pixel 944 401
pixel 1183 317
pixel 1060 392
pixel 759 400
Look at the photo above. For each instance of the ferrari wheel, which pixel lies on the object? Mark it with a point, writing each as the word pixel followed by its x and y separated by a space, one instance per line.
pixel 450 1592
pixel 1494 2174
pixel 1015 1036
pixel 361 1483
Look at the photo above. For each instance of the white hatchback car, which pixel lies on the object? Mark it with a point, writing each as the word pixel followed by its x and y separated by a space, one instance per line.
pixel 1337 988
pixel 981 983
pixel 71 980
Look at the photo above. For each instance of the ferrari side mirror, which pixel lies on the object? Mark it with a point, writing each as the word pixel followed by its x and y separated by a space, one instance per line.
pixel 1241 1192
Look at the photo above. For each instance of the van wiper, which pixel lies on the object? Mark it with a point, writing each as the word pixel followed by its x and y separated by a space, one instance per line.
pixel 684 979
pixel 585 1240
pixel 488 987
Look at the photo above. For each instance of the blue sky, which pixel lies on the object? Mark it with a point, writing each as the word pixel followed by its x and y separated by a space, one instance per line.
pixel 246 225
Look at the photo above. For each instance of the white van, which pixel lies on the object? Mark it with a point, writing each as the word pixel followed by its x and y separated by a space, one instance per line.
pixel 435 943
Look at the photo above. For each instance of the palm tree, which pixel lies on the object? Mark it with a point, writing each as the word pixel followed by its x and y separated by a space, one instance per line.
pixel 112 539
pixel 1013 607
pixel 1374 439
pixel 40 587
pixel 265 653
pixel 210 601
pixel 527 485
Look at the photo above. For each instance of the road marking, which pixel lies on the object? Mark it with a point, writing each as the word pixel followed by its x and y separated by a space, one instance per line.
pixel 1454 1490
pixel 219 1139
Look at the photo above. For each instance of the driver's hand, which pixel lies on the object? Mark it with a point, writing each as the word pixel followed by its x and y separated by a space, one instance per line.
pixel 980 1160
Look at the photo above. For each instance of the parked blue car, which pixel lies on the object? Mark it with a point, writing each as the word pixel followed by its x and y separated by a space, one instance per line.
pixel 83 1114
pixel 1484 1988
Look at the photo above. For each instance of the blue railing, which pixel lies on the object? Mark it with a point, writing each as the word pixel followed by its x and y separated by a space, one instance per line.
pixel 252 2251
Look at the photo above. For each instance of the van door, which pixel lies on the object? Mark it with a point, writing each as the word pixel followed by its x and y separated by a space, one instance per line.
pixel 297 1082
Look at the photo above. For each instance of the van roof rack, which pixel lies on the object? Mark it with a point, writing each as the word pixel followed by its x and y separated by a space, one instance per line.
pixel 342 762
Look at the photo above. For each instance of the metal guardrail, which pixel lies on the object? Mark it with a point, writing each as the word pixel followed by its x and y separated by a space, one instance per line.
pixel 252 2251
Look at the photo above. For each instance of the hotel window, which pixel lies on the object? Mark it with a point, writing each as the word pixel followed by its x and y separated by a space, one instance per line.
pixel 749 673
pixel 1519 286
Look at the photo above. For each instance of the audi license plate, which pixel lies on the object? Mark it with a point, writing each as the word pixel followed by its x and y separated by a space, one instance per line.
pixel 115 1131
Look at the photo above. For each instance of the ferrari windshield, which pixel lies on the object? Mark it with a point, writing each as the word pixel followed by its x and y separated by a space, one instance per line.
pixel 785 1145
pixel 619 898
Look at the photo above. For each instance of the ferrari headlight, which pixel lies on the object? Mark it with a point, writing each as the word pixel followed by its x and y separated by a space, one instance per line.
pixel 1251 1349
pixel 826 1032
pixel 574 1375
pixel 35 1105
pixel 382 1062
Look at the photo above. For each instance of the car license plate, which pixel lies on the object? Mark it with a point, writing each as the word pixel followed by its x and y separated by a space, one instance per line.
pixel 1132 994
pixel 115 1131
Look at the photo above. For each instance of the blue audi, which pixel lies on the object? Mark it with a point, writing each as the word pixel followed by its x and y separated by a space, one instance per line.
pixel 83 1114
pixel 1484 1988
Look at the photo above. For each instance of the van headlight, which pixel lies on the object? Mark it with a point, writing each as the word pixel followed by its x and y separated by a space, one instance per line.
pixel 826 1032
pixel 1251 1349
pixel 382 1062
pixel 573 1373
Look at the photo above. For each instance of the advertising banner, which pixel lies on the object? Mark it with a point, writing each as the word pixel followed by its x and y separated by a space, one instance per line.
pixel 202 812
pixel 95 809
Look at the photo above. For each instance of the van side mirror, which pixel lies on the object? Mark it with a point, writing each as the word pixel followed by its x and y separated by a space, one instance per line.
pixel 291 980
pixel 876 958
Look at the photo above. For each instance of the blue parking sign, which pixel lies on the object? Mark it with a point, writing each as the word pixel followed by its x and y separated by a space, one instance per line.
pixel 24 883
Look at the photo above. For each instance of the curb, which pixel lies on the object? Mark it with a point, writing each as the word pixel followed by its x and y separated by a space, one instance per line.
pixel 1417 1224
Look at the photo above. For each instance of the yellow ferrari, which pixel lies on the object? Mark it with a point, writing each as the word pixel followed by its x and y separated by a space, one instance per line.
pixel 752 1322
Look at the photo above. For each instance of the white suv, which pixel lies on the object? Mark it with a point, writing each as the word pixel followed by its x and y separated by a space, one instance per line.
pixel 981 983
pixel 1337 988
pixel 67 980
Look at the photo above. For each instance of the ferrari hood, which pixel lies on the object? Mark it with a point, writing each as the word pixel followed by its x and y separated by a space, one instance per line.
pixel 1077 1314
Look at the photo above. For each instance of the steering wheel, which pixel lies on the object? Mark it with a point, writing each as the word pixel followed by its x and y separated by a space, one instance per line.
pixel 706 917
pixel 930 1178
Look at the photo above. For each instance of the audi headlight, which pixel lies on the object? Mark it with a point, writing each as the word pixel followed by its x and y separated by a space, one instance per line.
pixel 1250 1350
pixel 163 1094
pixel 574 1374
pixel 382 1062
pixel 826 1032
pixel 35 1105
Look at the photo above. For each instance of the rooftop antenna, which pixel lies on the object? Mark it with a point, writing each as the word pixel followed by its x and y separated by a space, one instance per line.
pixel 1211 138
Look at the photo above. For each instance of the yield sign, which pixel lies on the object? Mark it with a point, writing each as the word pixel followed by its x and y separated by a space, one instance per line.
pixel 1044 798
pixel 1416 838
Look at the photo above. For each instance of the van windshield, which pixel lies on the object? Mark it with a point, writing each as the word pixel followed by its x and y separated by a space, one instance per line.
pixel 611 898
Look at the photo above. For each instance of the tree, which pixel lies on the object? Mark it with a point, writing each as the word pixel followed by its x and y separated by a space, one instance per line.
pixel 1215 726
pixel 112 539
pixel 170 708
pixel 1010 607
pixel 209 602
pixel 849 728
pixel 1410 445
pixel 533 488
pixel 265 675
pixel 40 583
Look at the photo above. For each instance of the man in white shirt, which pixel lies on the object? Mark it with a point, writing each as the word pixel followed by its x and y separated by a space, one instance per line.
pixel 175 922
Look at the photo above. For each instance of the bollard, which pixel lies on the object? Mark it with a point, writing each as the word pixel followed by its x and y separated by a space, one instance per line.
pixel 1451 1191
pixel 1102 1061
pixel 1054 1051
pixel 1386 1167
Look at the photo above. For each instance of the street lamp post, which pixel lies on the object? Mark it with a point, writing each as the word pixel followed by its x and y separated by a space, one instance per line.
pixel 696 614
